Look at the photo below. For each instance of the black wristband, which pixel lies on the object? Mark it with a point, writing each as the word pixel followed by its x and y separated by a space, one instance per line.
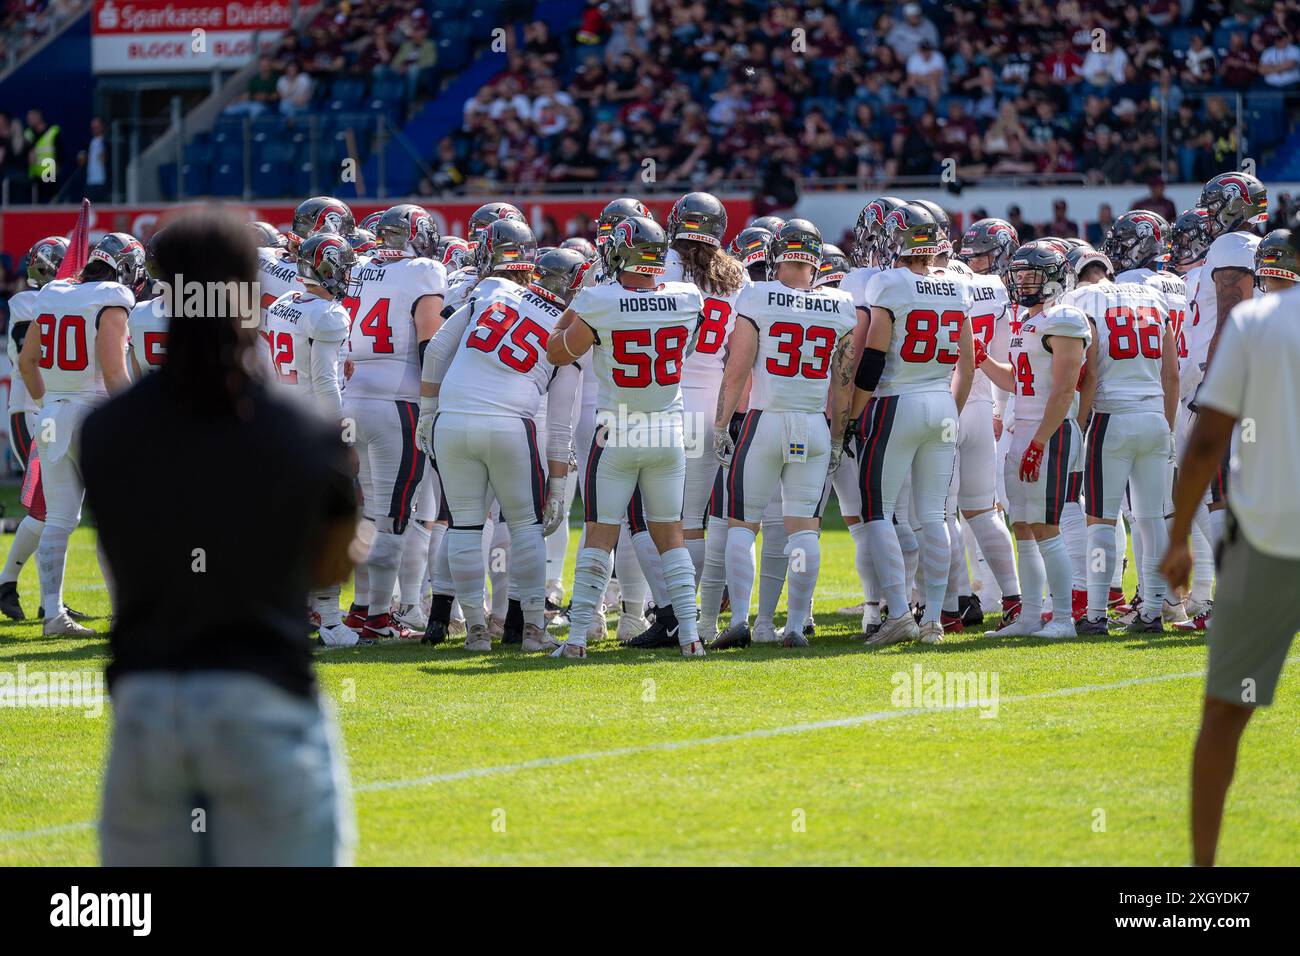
pixel 869 370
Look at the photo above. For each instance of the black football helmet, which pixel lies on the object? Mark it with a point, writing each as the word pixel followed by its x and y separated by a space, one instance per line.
pixel 772 224
pixel 124 254
pixel 370 221
pixel 749 247
pixel 320 214
pixel 266 235
pixel 488 213
pixel 1082 255
pixel 797 241
pixel 507 245
pixel 834 267
pixel 44 259
pixel 910 230
pixel 557 274
pixel 1137 240
pixel 1276 257
pixel 579 244
pixel 941 220
pixel 409 229
pixel 1039 272
pixel 995 238
pixel 700 217
pixel 453 252
pixel 1233 200
pixel 637 244
pixel 1191 237
pixel 870 228
pixel 362 241
pixel 326 260
pixel 614 213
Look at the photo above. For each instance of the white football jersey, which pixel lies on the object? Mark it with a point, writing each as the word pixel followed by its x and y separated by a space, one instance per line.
pixel 294 321
pixel 990 323
pixel 1129 322
pixel 1232 249
pixel 703 368
pixel 67 320
pixel 641 339
pixel 459 284
pixel 500 365
pixel 1175 290
pixel 277 273
pixel 21 312
pixel 928 311
pixel 383 344
pixel 798 330
pixel 1032 362
pixel 146 334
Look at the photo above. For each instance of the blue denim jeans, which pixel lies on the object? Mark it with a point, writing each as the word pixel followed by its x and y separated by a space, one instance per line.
pixel 223 768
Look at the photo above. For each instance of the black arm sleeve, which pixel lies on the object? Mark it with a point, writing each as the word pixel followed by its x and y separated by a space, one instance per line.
pixel 869 370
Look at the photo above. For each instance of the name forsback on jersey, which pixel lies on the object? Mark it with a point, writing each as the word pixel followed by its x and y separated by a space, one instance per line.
pixel 648 303
pixel 623 427
pixel 212 300
pixel 801 302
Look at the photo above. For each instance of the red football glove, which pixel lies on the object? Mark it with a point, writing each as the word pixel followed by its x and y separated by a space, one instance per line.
pixel 1031 462
pixel 980 353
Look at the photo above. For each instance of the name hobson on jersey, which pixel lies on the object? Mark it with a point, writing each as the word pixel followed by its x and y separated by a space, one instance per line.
pixel 212 300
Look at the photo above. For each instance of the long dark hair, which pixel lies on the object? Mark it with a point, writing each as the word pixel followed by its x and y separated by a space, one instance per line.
pixel 715 272
pixel 205 370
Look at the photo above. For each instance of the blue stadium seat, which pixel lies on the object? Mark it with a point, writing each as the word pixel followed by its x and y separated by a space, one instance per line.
pixel 227 180
pixel 270 180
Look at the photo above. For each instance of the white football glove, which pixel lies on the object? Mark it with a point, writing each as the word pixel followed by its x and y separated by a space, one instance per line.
pixel 724 446
pixel 424 434
pixel 554 512
pixel 837 454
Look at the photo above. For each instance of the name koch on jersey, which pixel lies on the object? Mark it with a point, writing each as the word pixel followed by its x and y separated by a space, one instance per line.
pixel 294 322
pixel 798 330
pixel 928 311
pixel 704 366
pixel 1031 360
pixel 382 344
pixel 22 310
pixel 641 341
pixel 1129 322
pixel 67 321
pixel 500 366
pixel 146 333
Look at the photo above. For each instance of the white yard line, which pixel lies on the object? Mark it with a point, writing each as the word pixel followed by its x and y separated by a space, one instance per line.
pixel 542 763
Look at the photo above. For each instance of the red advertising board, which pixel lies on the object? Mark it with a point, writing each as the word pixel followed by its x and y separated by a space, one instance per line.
pixel 130 36
pixel 20 229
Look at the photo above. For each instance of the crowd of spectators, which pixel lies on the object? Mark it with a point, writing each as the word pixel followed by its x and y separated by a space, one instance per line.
pixel 24 22
pixel 688 92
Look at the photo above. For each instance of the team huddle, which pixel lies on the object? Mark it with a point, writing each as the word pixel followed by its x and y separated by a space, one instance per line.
pixel 995 420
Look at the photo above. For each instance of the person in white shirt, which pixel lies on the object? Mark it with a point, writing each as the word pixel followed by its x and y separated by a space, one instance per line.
pixel 295 89
pixel 1257 607
pixel 1279 65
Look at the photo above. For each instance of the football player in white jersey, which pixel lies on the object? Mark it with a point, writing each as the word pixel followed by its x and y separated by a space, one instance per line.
pixel 43 263
pixel 1131 385
pixel 697 224
pixel 1046 356
pixel 307 330
pixel 484 376
pixel 796 343
pixel 146 326
pixel 394 300
pixel 462 276
pixel 76 357
pixel 986 249
pixel 918 336
pixel 1233 202
pixel 640 331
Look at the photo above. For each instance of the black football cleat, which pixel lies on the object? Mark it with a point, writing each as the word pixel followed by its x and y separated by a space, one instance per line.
pixel 869 631
pixel 735 636
pixel 809 630
pixel 656 635
pixel 972 612
pixel 512 635
pixel 1092 627
pixel 1142 625
pixel 9 605
pixel 435 633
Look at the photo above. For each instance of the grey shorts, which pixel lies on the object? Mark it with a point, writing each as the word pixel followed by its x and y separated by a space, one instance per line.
pixel 1256 616
pixel 222 768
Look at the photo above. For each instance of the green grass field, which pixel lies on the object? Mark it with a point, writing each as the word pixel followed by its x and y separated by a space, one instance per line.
pixel 764 756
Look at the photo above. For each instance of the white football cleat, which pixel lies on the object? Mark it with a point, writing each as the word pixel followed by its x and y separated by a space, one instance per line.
pixel 1171 613
pixel 496 627
pixel 413 617
pixel 764 632
pixel 1055 629
pixel 895 631
pixel 932 633
pixel 536 639
pixel 708 631
pixel 629 626
pixel 338 635
pixel 570 650
pixel 693 649
pixel 64 626
pixel 478 639
pixel 599 626
pixel 1022 626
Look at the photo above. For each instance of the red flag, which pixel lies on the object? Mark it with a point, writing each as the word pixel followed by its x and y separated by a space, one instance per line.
pixel 78 246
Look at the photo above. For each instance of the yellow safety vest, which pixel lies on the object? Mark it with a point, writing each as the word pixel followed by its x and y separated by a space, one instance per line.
pixel 42 150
